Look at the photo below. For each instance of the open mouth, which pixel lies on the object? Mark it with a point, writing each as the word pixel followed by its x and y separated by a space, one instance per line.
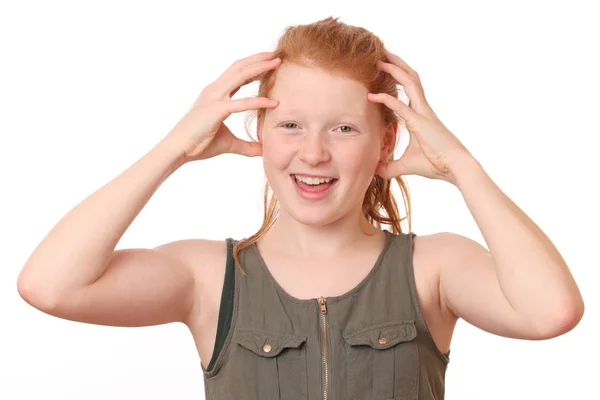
pixel 316 189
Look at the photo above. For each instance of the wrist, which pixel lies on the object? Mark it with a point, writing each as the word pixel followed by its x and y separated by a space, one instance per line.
pixel 464 170
pixel 170 150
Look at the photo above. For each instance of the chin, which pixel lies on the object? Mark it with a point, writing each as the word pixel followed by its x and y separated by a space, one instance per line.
pixel 317 215
pixel 314 220
pixel 313 212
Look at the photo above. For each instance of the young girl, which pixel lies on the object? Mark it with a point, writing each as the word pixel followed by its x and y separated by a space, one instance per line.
pixel 321 302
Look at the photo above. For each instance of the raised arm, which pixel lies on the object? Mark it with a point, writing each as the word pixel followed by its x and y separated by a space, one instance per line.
pixel 75 272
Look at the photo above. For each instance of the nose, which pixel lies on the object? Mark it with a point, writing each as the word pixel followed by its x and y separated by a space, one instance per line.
pixel 313 149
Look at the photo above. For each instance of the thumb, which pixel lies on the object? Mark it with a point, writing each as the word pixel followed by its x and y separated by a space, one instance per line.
pixel 391 169
pixel 245 148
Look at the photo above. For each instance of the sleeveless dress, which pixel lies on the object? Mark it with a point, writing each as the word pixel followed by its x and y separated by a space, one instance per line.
pixel 369 343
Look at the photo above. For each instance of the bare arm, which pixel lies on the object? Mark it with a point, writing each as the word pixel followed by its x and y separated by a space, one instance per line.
pixel 75 272
pixel 81 246
pixel 521 287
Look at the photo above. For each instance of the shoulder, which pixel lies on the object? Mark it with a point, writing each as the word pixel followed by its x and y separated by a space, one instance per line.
pixel 206 260
pixel 427 261
pixel 449 257
pixel 431 254
pixel 443 250
pixel 426 257
pixel 427 248
pixel 201 256
pixel 443 245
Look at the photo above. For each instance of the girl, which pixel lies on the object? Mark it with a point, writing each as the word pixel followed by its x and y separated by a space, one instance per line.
pixel 321 302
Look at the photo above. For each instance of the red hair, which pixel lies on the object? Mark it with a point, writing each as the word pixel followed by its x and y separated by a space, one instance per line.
pixel 352 52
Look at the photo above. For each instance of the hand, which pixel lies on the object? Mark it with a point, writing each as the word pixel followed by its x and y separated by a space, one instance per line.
pixel 436 150
pixel 202 133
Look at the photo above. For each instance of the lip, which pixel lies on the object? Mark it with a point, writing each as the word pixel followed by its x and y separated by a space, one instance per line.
pixel 312 195
pixel 312 176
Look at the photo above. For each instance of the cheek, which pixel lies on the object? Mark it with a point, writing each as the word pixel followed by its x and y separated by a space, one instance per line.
pixel 276 154
pixel 361 161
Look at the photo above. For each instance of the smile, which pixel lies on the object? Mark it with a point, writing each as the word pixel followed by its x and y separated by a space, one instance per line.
pixel 317 189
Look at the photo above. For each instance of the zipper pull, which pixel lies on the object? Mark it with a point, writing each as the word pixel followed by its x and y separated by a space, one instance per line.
pixel 322 302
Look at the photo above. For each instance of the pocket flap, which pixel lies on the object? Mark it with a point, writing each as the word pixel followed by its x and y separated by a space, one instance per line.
pixel 265 343
pixel 383 336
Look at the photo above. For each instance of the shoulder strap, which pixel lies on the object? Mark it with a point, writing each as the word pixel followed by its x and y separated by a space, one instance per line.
pixel 226 307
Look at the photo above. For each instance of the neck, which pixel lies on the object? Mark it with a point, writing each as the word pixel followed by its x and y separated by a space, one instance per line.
pixel 296 239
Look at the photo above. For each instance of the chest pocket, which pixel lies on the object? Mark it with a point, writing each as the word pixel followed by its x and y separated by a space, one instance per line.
pixel 274 364
pixel 383 362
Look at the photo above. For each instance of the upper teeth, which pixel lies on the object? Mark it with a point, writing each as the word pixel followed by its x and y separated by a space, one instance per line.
pixel 312 181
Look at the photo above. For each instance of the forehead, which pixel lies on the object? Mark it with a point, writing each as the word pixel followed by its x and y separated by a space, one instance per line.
pixel 300 89
pixel 291 75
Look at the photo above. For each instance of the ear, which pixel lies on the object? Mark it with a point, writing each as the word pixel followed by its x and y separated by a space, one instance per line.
pixel 388 142
pixel 258 129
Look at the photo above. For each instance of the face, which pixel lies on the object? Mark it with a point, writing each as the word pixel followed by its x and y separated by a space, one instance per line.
pixel 323 126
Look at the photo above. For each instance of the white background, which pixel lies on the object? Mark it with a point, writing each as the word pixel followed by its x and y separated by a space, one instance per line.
pixel 87 88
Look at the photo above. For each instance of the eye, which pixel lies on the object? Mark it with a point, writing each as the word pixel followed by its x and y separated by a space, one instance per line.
pixel 346 126
pixel 287 125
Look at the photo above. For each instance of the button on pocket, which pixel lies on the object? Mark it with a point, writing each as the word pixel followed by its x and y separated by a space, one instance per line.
pixel 383 362
pixel 275 364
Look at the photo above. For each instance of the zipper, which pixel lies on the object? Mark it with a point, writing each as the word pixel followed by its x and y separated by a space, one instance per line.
pixel 323 304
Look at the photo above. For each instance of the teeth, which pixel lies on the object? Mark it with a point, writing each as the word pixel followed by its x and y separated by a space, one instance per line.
pixel 312 181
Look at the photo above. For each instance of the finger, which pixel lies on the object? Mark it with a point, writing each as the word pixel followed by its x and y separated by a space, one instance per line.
pixel 394 59
pixel 404 111
pixel 223 82
pixel 391 169
pixel 253 59
pixel 250 73
pixel 220 86
pixel 245 148
pixel 249 103
pixel 411 86
pixel 381 170
pixel 262 56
